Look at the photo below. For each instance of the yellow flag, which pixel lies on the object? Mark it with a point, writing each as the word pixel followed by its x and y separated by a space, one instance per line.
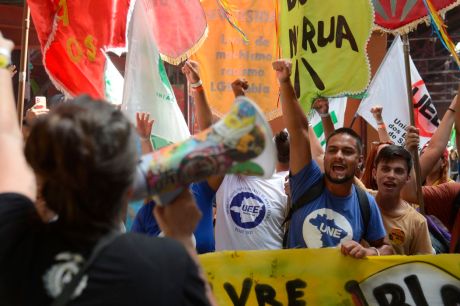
pixel 326 277
pixel 326 40
pixel 226 56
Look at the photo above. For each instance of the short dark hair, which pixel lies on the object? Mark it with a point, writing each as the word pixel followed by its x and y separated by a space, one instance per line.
pixel 392 152
pixel 84 152
pixel 282 146
pixel 350 132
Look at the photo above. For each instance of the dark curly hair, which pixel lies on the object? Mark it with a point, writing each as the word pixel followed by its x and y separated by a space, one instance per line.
pixel 85 156
pixel 282 146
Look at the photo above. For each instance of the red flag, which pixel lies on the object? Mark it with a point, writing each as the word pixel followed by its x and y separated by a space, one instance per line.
pixel 404 15
pixel 73 35
pixel 179 26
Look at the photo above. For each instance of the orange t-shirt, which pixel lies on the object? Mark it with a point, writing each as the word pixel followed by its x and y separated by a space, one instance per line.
pixel 408 233
pixel 439 201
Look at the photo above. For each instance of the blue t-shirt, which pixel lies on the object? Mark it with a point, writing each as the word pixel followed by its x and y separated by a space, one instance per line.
pixel 204 234
pixel 329 220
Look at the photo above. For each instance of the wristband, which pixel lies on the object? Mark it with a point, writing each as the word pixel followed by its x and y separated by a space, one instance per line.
pixel 197 89
pixel 381 125
pixel 5 57
pixel 376 250
pixel 324 115
pixel 451 109
pixel 197 84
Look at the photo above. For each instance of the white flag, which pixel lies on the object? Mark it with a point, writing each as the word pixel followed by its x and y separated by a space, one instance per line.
pixel 113 83
pixel 147 88
pixel 388 89
pixel 337 112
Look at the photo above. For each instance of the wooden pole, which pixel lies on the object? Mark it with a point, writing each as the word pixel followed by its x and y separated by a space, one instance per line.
pixel 24 61
pixel 187 106
pixel 405 39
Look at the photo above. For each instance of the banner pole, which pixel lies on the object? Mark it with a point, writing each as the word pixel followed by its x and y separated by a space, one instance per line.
pixel 418 181
pixel 187 106
pixel 24 61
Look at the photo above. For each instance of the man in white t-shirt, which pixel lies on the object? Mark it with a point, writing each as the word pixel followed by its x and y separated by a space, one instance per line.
pixel 250 210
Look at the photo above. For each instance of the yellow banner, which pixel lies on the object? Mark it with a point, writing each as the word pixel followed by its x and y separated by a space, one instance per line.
pixel 225 56
pixel 326 40
pixel 326 277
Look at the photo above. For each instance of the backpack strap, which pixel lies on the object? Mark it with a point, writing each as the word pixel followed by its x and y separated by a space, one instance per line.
pixel 315 191
pixel 364 207
pixel 309 196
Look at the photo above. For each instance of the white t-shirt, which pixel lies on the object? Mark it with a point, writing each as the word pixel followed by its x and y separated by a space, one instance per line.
pixel 250 212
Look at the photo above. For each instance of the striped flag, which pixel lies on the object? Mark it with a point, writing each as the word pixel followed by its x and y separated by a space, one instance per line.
pixel 146 86
pixel 336 110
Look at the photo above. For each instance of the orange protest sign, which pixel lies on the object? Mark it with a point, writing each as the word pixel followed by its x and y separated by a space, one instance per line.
pixel 225 56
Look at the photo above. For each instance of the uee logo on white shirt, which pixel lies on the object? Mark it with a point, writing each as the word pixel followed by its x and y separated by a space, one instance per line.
pixel 247 210
pixel 324 225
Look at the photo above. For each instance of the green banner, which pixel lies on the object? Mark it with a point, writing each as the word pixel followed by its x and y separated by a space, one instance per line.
pixel 326 40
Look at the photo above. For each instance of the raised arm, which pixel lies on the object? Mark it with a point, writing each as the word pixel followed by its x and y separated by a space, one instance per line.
pixel 438 142
pixel 409 191
pixel 144 129
pixel 457 122
pixel 178 220
pixel 317 151
pixel 322 108
pixel 294 118
pixel 203 111
pixel 376 112
pixel 15 175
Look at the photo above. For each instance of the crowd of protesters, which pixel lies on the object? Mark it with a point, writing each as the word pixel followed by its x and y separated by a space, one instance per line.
pixel 65 184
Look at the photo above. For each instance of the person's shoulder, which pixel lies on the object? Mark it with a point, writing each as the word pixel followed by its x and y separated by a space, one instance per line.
pixel 370 194
pixel 139 240
pixel 448 186
pixel 139 251
pixel 14 205
pixel 11 198
pixel 414 215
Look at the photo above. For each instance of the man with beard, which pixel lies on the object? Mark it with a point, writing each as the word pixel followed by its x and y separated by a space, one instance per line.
pixel 334 218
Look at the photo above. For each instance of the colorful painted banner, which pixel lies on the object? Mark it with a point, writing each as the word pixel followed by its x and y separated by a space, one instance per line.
pixel 73 36
pixel 326 41
pixel 225 56
pixel 402 16
pixel 179 27
pixel 241 142
pixel 388 89
pixel 325 277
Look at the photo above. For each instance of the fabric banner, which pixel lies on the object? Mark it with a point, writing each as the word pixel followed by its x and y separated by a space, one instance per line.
pixel 73 36
pixel 402 16
pixel 326 40
pixel 388 89
pixel 337 108
pixel 179 27
pixel 225 56
pixel 146 86
pixel 325 277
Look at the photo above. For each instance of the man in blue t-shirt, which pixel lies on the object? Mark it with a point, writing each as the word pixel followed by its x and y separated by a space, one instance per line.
pixel 145 222
pixel 334 218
